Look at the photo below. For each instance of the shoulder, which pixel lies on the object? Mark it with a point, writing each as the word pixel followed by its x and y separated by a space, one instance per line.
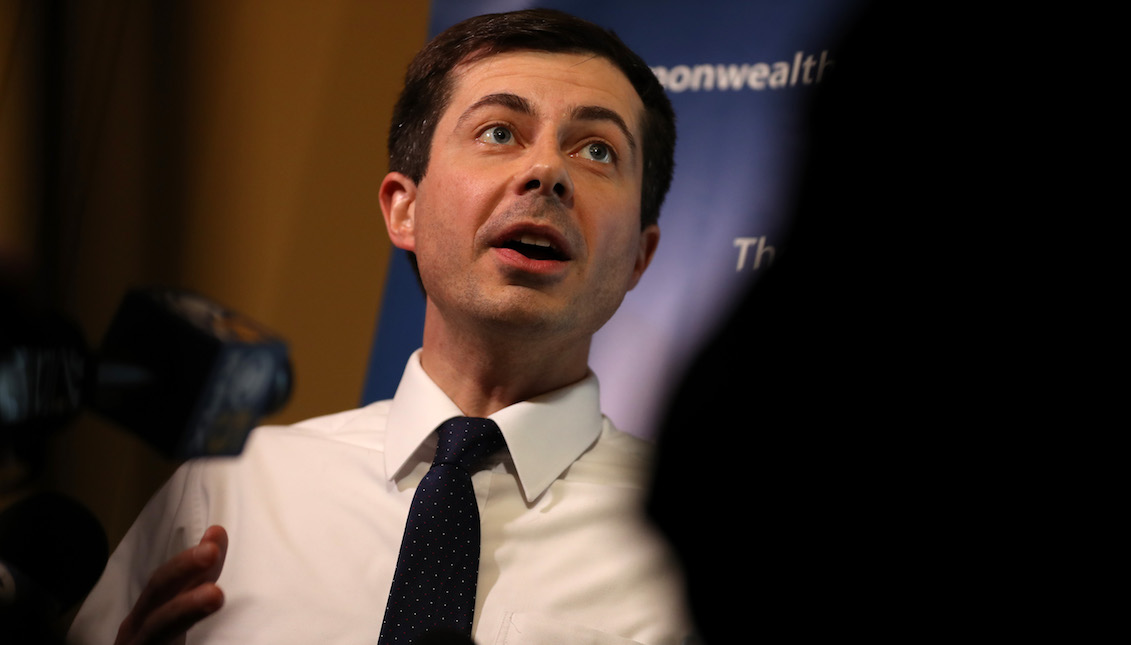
pixel 363 427
pixel 337 437
pixel 294 467
pixel 624 445
pixel 615 458
pixel 343 421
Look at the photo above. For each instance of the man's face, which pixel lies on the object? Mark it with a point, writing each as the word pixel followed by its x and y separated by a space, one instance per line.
pixel 528 218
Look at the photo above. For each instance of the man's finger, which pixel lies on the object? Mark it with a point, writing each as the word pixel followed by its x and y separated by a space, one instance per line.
pixel 218 536
pixel 185 570
pixel 180 592
pixel 175 617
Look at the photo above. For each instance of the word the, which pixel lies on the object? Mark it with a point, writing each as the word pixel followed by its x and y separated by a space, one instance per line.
pixel 762 252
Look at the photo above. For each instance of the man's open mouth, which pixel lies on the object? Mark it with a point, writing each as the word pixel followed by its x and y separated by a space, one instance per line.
pixel 535 248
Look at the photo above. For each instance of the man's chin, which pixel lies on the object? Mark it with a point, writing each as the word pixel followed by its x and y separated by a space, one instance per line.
pixel 525 312
pixel 527 317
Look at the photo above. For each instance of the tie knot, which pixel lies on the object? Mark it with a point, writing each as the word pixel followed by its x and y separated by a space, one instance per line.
pixel 467 441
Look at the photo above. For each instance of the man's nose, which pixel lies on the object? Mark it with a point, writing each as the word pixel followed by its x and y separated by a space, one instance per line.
pixel 547 174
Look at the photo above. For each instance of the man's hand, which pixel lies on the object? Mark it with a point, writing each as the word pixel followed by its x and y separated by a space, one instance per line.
pixel 180 593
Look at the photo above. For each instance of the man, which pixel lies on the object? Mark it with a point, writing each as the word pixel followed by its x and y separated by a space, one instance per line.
pixel 530 153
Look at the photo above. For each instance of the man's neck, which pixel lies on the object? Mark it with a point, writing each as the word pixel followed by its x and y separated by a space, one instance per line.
pixel 484 373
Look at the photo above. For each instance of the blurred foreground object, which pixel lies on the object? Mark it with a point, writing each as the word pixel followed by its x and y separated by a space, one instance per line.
pixel 187 375
pixel 52 551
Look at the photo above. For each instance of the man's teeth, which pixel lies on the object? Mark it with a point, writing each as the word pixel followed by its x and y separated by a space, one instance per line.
pixel 535 241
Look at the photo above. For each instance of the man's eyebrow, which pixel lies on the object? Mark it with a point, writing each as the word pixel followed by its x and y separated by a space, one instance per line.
pixel 598 113
pixel 503 99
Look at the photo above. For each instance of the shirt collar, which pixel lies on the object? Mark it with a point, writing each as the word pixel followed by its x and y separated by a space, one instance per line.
pixel 544 434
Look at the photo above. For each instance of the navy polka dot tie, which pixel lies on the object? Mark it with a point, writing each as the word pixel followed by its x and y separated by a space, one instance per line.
pixel 438 566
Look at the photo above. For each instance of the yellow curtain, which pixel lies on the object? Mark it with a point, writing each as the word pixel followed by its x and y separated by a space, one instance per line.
pixel 231 147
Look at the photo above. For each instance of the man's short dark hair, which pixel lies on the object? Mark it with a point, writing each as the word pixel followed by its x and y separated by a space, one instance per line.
pixel 428 88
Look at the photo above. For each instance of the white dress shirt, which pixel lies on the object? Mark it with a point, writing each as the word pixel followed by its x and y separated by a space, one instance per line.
pixel 315 514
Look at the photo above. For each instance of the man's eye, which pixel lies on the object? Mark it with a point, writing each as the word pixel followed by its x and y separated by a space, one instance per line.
pixel 497 134
pixel 598 152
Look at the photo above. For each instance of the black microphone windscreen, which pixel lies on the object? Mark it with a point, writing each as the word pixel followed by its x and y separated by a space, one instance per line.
pixel 43 370
pixel 189 376
pixel 55 542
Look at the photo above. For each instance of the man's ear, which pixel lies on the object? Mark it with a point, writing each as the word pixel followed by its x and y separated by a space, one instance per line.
pixel 398 203
pixel 649 240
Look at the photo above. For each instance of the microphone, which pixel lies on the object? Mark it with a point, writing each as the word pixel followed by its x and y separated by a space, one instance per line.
pixel 189 376
pixel 43 365
pixel 52 551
